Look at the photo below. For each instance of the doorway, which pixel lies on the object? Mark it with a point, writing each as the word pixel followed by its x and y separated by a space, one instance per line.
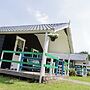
pixel 19 46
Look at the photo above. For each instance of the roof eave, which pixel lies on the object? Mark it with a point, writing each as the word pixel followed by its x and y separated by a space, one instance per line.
pixel 61 28
pixel 26 32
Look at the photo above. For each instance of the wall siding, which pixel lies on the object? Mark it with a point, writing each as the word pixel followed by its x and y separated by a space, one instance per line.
pixel 1 41
pixel 60 45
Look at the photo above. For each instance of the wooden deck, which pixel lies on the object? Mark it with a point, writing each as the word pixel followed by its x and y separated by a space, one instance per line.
pixel 31 75
pixel 25 74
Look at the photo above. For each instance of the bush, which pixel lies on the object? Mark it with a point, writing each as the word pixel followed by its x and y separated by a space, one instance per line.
pixel 72 72
pixel 88 74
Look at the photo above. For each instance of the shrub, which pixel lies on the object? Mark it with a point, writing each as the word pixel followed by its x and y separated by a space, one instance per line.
pixel 72 72
pixel 88 74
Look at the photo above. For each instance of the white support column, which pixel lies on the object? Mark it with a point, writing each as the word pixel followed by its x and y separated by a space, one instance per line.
pixel 86 71
pixel 82 70
pixel 63 68
pixel 53 69
pixel 18 66
pixel 45 50
pixel 86 65
pixel 51 63
pixel 1 58
pixel 68 66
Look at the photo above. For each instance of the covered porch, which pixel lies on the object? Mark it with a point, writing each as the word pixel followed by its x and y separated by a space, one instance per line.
pixel 54 67
pixel 27 41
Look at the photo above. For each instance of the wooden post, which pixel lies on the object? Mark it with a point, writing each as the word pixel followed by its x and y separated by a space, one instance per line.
pixel 82 70
pixel 1 58
pixel 56 73
pixel 63 67
pixel 86 65
pixel 51 63
pixel 18 66
pixel 45 50
pixel 53 69
pixel 86 71
pixel 68 66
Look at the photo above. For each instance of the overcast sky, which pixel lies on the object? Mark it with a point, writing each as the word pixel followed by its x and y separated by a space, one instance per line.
pixel 18 12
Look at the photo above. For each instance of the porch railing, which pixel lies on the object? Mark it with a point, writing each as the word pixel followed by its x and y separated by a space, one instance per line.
pixel 36 56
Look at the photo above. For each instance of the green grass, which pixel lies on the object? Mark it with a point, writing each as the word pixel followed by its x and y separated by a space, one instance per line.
pixel 86 79
pixel 9 83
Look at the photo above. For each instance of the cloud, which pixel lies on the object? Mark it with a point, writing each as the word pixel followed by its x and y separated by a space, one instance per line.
pixel 40 16
pixel 29 10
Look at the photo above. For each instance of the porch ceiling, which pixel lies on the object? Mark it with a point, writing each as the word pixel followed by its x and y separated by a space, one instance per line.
pixel 42 28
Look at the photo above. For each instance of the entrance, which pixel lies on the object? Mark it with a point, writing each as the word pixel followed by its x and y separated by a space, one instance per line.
pixel 19 46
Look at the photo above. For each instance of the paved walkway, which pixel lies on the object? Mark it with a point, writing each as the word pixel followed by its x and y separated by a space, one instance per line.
pixel 77 81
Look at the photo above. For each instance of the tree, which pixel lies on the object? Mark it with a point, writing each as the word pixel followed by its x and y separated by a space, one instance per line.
pixel 85 52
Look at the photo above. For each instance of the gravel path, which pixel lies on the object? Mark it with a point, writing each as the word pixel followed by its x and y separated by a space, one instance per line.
pixel 77 81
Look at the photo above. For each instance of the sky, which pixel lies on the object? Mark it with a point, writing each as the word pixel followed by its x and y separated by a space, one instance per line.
pixel 23 12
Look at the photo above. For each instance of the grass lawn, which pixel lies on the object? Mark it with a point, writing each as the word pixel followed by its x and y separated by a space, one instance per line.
pixel 9 83
pixel 86 79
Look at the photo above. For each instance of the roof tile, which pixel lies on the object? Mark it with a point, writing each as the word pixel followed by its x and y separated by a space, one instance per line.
pixel 41 27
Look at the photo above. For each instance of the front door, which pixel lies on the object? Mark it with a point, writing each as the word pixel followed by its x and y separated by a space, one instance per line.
pixel 19 46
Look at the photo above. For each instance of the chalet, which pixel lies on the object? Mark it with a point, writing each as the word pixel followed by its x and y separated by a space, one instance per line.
pixel 36 37
pixel 79 62
pixel 40 41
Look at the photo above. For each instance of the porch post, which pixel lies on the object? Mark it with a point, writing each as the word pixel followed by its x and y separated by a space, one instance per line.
pixel 82 70
pixel 1 58
pixel 63 68
pixel 20 59
pixel 57 62
pixel 68 66
pixel 53 69
pixel 86 65
pixel 51 63
pixel 45 50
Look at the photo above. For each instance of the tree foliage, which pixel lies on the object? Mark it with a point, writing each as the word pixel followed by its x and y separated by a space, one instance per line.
pixel 85 52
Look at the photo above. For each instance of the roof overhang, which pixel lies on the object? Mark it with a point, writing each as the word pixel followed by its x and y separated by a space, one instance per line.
pixel 26 32
pixel 62 28
pixel 72 57
pixel 27 29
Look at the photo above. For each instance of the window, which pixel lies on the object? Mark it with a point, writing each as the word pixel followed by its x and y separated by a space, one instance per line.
pixel 20 44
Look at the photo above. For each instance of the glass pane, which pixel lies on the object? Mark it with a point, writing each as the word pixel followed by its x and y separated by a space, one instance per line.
pixel 19 45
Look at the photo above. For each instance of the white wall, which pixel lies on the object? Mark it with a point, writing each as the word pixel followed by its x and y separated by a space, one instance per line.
pixel 41 38
pixel 60 45
pixel 79 62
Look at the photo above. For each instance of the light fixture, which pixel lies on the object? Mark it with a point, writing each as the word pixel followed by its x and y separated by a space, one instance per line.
pixel 53 36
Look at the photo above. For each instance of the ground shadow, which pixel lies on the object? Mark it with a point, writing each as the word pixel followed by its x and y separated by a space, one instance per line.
pixel 8 79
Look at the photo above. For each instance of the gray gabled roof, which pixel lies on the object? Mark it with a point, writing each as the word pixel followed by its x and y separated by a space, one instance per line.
pixel 29 28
